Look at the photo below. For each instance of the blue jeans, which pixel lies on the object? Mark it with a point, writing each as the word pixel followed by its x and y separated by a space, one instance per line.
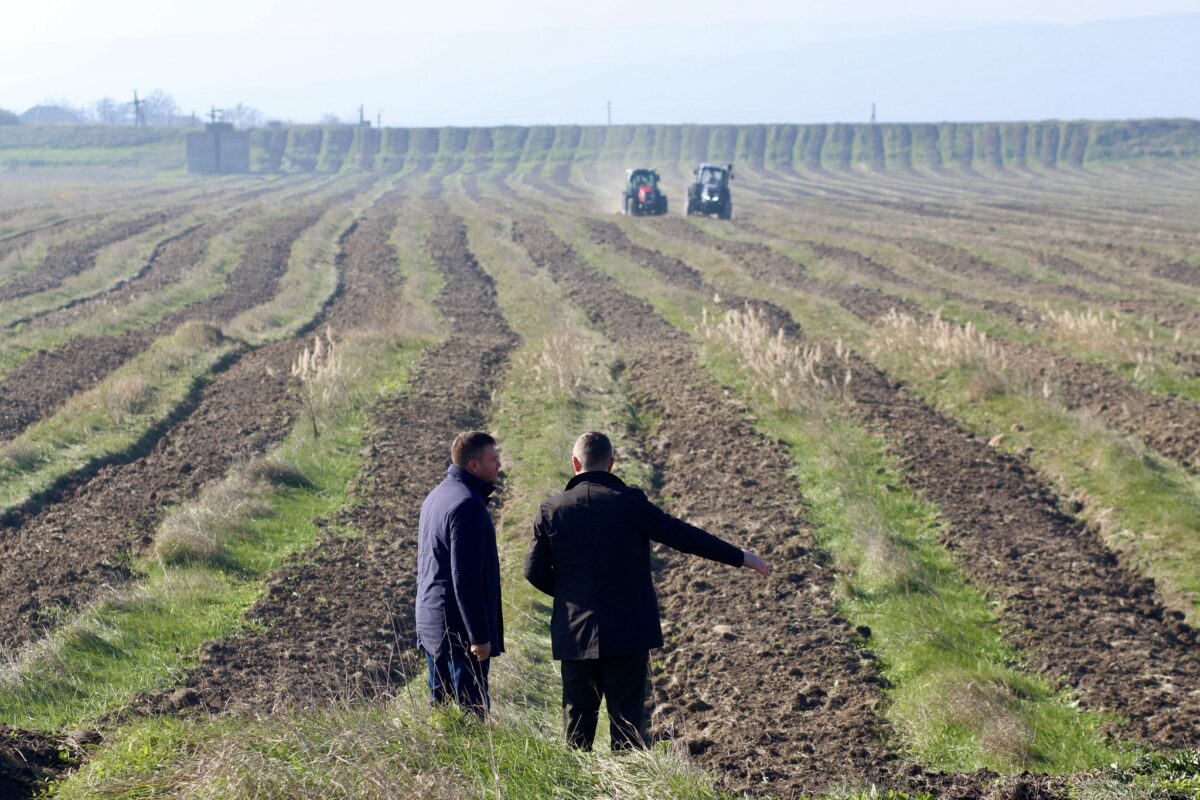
pixel 459 676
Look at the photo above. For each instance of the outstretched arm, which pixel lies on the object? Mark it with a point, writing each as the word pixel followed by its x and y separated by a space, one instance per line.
pixel 661 527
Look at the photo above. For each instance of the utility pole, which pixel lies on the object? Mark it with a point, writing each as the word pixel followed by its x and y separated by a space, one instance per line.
pixel 139 117
pixel 361 119
pixel 872 113
pixel 212 115
pixel 379 119
pixel 610 112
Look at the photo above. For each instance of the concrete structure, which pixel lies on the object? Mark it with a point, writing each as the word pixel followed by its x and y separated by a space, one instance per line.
pixel 219 150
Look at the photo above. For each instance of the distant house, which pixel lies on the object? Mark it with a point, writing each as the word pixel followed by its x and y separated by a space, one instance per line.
pixel 52 115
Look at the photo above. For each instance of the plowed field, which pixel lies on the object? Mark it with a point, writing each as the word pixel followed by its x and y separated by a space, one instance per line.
pixel 1018 349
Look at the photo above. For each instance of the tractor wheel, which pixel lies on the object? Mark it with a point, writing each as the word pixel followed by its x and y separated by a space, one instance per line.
pixel 726 210
pixel 628 210
pixel 662 205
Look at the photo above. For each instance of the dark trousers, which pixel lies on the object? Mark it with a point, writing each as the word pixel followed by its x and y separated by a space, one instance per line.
pixel 461 678
pixel 621 681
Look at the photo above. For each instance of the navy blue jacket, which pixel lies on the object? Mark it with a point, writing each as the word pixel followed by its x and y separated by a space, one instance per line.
pixel 458 568
pixel 591 552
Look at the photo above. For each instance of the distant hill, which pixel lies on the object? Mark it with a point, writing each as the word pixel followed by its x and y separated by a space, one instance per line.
pixel 51 115
pixel 8 118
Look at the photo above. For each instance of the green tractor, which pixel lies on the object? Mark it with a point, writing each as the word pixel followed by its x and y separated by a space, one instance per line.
pixel 642 197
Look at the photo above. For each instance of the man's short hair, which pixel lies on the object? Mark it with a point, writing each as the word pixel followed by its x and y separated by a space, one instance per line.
pixel 593 450
pixel 469 447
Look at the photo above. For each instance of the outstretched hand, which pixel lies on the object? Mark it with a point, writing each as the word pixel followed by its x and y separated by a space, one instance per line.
pixel 752 561
pixel 482 652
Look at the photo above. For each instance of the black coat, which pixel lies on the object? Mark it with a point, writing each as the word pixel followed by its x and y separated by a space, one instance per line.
pixel 458 568
pixel 591 552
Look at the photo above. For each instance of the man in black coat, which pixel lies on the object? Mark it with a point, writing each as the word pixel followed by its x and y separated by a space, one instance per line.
pixel 591 552
pixel 459 621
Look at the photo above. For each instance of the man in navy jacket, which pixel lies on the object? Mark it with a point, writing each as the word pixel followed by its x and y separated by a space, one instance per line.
pixel 591 552
pixel 459 621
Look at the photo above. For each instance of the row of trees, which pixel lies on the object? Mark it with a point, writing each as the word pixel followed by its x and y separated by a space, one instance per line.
pixel 158 109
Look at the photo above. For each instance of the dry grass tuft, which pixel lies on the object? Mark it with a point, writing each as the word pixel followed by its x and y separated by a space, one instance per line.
pixel 197 533
pixel 1103 332
pixel 22 455
pixel 276 472
pixel 198 335
pixel 940 343
pixel 319 374
pixel 789 373
pixel 561 364
pixel 126 396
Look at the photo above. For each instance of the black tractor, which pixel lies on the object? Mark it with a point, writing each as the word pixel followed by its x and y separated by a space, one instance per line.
pixel 642 197
pixel 709 193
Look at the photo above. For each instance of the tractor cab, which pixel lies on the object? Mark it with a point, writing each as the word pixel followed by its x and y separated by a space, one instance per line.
pixel 642 195
pixel 709 193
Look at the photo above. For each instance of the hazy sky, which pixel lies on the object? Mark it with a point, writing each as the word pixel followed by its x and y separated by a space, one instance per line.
pixel 553 61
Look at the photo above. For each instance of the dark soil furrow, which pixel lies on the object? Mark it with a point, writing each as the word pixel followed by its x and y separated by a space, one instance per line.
pixel 73 257
pixel 764 716
pixel 771 266
pixel 60 555
pixel 1075 610
pixel 1079 614
pixel 610 235
pixel 961 262
pixel 42 383
pixel 28 759
pixel 339 621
